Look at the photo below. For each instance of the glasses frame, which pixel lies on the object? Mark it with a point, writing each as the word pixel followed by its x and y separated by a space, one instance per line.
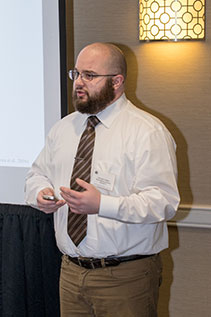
pixel 83 75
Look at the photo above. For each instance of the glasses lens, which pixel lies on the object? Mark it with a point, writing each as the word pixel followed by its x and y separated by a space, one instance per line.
pixel 73 74
pixel 87 76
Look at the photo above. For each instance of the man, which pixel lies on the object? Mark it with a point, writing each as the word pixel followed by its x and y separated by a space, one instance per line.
pixel 115 270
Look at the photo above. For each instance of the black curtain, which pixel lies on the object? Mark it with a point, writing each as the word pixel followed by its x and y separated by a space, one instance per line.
pixel 29 263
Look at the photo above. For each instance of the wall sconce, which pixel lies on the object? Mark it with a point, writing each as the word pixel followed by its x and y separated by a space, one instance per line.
pixel 171 20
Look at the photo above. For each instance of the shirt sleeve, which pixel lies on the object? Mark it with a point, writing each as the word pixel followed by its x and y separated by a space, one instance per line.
pixel 154 196
pixel 38 176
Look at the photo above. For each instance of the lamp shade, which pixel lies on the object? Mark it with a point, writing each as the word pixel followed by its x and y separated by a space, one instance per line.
pixel 171 20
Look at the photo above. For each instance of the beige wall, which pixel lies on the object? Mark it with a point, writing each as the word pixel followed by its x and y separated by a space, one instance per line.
pixel 172 81
pixel 186 287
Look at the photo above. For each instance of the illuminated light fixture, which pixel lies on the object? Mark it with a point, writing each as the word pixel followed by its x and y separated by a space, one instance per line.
pixel 171 20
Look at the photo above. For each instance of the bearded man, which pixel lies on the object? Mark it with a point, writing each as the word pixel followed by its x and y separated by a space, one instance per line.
pixel 111 171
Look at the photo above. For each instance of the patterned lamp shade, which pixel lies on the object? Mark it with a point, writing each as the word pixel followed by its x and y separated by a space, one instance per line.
pixel 171 20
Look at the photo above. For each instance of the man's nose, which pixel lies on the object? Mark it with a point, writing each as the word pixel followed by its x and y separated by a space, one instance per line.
pixel 79 81
pixel 78 84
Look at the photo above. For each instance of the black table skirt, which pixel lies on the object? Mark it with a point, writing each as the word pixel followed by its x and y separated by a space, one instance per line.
pixel 29 263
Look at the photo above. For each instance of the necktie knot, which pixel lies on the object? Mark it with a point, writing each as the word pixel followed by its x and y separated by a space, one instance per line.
pixel 93 121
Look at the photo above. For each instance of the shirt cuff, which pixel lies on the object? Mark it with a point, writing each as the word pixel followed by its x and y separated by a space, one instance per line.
pixel 109 206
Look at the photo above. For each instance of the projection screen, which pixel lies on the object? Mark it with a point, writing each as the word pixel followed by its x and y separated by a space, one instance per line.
pixel 30 90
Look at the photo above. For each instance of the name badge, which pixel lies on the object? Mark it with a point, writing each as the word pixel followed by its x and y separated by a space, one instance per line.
pixel 103 180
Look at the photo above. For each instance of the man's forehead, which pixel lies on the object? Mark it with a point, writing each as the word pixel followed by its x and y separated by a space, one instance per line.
pixel 90 61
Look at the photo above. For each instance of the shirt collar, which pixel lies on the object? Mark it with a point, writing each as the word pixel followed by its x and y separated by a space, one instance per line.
pixel 108 115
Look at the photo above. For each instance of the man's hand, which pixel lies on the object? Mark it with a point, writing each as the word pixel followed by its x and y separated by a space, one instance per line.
pixel 48 206
pixel 86 202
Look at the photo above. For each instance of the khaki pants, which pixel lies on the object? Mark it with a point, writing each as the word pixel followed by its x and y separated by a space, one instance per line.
pixel 127 290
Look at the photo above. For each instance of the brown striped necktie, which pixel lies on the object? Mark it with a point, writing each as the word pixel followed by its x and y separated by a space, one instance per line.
pixel 77 223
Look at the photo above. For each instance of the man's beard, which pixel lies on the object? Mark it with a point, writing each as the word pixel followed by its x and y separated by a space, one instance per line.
pixel 97 102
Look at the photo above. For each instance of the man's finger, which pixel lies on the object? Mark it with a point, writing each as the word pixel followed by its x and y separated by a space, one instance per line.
pixel 82 183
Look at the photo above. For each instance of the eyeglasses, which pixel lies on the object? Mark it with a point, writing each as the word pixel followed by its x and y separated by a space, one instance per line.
pixel 86 76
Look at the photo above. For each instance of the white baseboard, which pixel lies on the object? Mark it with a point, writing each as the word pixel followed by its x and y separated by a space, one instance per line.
pixel 196 216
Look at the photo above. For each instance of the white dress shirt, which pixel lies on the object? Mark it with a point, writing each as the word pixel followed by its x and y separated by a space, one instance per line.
pixel 134 168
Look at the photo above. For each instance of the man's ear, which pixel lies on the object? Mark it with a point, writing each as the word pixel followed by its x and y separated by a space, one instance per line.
pixel 118 81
